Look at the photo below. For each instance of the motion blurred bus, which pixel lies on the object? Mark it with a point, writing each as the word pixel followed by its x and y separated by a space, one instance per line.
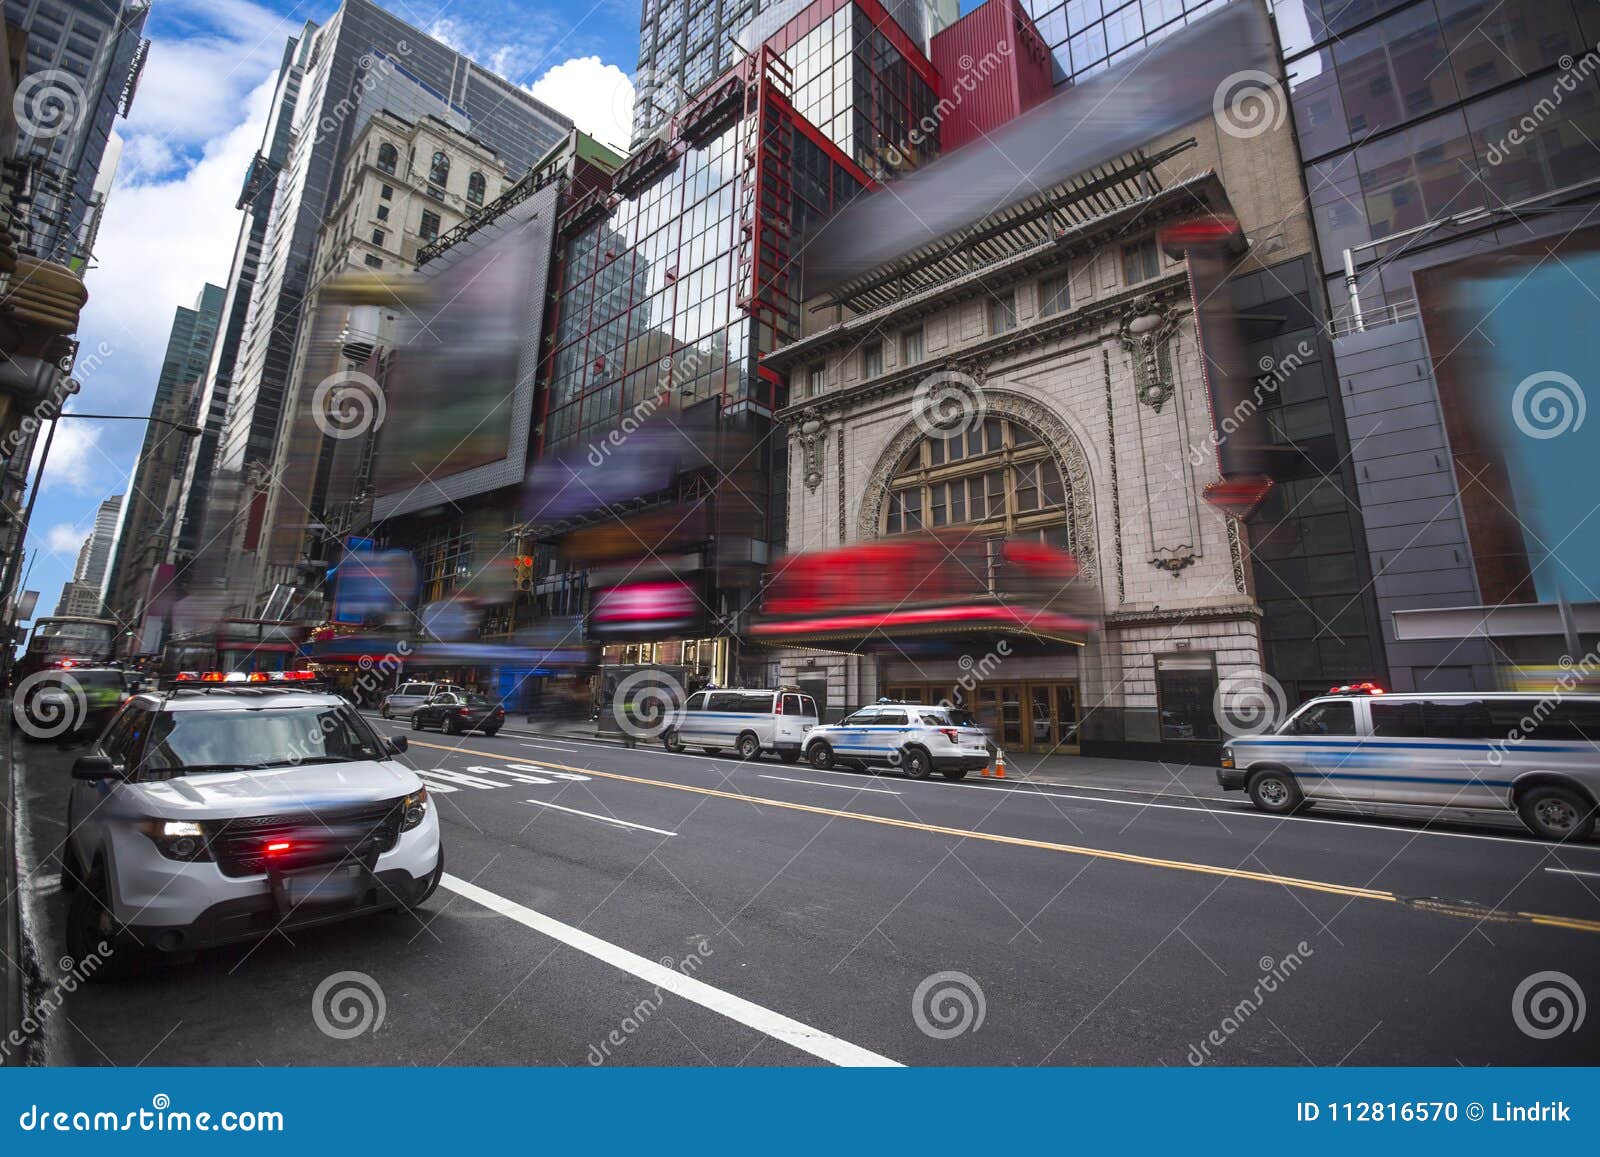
pixel 67 641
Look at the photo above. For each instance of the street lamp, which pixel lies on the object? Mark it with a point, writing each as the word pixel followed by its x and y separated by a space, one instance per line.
pixel 184 428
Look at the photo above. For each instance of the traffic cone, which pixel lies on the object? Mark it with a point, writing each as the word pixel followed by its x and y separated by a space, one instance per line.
pixel 1000 765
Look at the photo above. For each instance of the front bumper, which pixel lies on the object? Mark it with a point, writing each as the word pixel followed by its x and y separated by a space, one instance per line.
pixel 1231 778
pixel 960 762
pixel 251 917
pixel 151 891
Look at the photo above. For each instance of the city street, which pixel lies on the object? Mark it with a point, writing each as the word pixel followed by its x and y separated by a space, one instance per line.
pixel 635 907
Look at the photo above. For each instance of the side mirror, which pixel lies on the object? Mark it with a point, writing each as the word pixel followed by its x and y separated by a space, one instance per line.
pixel 395 745
pixel 94 767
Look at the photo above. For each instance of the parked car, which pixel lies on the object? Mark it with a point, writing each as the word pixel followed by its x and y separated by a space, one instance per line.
pixel 748 721
pixel 400 702
pixel 1537 756
pixel 915 737
pixel 456 712
pixel 207 815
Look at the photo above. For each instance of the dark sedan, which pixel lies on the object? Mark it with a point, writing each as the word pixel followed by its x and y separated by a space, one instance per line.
pixel 456 712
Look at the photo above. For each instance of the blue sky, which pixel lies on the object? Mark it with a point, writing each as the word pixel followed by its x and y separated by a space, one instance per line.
pixel 170 224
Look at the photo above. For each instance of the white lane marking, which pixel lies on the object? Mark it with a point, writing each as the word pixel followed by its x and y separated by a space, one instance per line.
pixel 602 818
pixel 460 777
pixel 754 1016
pixel 551 746
pixel 841 786
pixel 516 767
pixel 1574 872
pixel 438 786
pixel 520 777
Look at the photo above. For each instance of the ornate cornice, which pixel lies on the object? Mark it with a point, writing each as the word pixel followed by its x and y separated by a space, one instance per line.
pixel 1056 434
pixel 1121 620
pixel 1171 290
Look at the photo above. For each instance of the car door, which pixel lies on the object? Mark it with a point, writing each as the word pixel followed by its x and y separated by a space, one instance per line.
pixel 854 735
pixel 691 718
pixel 889 732
pixel 1321 745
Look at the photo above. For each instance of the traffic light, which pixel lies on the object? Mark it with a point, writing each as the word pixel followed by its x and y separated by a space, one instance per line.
pixel 522 571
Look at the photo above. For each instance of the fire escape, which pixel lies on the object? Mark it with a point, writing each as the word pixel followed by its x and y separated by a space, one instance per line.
pixel 766 152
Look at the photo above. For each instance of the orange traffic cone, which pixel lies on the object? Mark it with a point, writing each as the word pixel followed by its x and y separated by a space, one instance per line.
pixel 1000 765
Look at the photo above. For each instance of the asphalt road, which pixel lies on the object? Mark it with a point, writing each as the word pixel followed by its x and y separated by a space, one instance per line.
pixel 635 907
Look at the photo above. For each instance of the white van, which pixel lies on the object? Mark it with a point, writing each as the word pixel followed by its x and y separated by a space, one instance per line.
pixel 748 721
pixel 1536 755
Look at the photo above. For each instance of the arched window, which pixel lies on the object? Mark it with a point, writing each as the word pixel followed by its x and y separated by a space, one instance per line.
pixel 998 476
pixel 439 171
pixel 388 157
pixel 476 186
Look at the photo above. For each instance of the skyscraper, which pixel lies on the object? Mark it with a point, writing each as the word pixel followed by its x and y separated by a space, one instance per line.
pixel 81 596
pixel 331 67
pixel 84 60
pixel 145 526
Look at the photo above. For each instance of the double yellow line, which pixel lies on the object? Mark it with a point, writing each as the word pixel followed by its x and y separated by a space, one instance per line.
pixel 1466 911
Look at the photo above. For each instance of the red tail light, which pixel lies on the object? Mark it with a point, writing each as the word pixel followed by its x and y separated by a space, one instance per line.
pixel 463 711
pixel 950 733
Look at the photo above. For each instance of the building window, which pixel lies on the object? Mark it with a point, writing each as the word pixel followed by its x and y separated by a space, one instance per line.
pixel 383 212
pixel 1003 313
pixel 377 237
pixel 1055 294
pixel 911 346
pixel 430 225
pixel 1140 262
pixel 816 379
pixel 476 187
pixel 1005 480
pixel 374 262
pixel 872 359
pixel 388 157
pixel 1186 686
pixel 439 170
pixel 387 192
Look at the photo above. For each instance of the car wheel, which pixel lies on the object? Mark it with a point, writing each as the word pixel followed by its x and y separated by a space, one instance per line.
pixel 416 722
pixel 1557 813
pixel 820 755
pixel 1276 792
pixel 490 732
pixel 789 756
pixel 90 924
pixel 954 773
pixel 916 762
pixel 385 712
pixel 670 740
pixel 749 747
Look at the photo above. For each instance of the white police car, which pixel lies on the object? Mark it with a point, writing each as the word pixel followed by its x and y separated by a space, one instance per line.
pixel 215 813
pixel 915 737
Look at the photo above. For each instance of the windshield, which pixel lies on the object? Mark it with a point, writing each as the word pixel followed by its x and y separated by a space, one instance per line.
pixel 185 742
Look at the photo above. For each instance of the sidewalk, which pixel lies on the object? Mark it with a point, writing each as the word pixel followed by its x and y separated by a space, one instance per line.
pixel 1076 770
pixel 11 968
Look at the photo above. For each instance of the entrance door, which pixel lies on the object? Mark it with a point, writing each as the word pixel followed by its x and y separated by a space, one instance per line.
pixel 1053 718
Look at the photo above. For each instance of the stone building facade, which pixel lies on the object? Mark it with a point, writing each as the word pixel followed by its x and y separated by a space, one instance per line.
pixel 1083 342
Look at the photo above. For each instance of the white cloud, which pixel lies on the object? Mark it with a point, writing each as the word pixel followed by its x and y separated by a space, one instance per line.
pixel 76 460
pixel 64 538
pixel 597 96
pixel 160 241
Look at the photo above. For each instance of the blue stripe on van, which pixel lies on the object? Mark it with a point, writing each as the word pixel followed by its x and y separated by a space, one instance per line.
pixel 1406 779
pixel 1454 745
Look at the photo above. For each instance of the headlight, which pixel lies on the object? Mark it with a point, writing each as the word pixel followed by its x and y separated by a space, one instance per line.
pixel 178 839
pixel 413 809
pixel 1227 757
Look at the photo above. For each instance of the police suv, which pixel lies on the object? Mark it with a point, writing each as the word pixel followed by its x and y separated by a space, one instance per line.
pixel 219 811
pixel 915 737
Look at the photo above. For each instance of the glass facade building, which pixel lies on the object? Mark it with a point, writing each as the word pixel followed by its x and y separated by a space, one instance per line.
pixel 82 66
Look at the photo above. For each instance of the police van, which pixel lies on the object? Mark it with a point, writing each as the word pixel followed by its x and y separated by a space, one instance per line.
pixel 748 721
pixel 1538 756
